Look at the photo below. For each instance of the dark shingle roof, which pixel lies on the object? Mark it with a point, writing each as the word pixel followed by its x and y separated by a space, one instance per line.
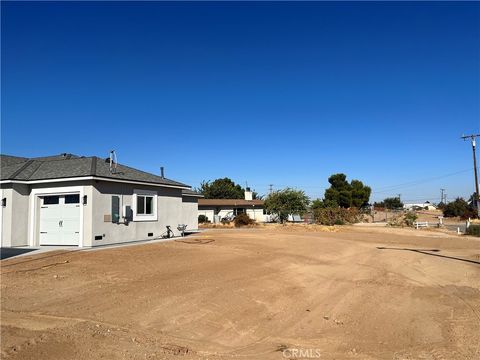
pixel 7 160
pixel 68 166
pixel 191 193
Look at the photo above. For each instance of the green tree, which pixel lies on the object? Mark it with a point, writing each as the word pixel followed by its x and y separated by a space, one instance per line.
pixel 393 203
pixel 441 205
pixel 221 189
pixel 390 203
pixel 285 202
pixel 345 194
pixel 360 193
pixel 459 207
pixel 317 204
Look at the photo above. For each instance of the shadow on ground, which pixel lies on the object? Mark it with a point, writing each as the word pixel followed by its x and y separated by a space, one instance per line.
pixel 6 253
pixel 431 253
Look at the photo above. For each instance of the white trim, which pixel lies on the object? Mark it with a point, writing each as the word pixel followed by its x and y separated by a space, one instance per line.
pixel 197 196
pixel 46 181
pixel 152 217
pixel 34 196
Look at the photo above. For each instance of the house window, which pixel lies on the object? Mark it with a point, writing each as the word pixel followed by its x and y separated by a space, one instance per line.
pixel 51 200
pixel 115 209
pixel 144 205
pixel 72 199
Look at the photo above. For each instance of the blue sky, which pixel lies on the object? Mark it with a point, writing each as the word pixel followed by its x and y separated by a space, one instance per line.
pixel 269 93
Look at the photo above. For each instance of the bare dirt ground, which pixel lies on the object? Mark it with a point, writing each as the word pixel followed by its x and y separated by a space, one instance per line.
pixel 266 293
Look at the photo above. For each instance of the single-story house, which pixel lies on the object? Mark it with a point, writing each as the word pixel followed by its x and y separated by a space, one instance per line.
pixel 426 205
pixel 217 209
pixel 88 201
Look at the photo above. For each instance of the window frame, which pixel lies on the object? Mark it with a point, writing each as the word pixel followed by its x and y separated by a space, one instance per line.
pixel 70 202
pixel 144 193
pixel 52 197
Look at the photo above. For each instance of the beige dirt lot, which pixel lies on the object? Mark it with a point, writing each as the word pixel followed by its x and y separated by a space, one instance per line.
pixel 266 293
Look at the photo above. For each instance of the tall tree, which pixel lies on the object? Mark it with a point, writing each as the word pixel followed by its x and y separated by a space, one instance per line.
pixel 360 193
pixel 345 194
pixel 221 189
pixel 286 202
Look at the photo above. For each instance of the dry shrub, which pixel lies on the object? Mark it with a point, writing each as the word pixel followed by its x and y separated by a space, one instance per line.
pixel 288 227
pixel 243 220
pixel 337 216
pixel 216 226
pixel 407 219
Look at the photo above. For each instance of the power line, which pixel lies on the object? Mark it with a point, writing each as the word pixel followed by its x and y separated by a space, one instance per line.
pixel 416 182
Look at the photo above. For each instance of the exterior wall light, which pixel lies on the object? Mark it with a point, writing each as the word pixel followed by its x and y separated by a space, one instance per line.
pixel 4 202
pixel 84 200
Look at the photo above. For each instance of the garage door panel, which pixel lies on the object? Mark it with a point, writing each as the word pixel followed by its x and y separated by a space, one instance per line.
pixel 51 211
pixel 59 222
pixel 70 237
pixel 70 225
pixel 50 238
pixel 49 225
pixel 70 212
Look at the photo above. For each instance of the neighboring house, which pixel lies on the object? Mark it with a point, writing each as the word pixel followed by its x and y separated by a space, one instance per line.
pixel 217 209
pixel 424 205
pixel 87 201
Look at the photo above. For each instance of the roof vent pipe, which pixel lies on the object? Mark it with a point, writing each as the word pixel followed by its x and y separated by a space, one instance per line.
pixel 113 161
pixel 162 172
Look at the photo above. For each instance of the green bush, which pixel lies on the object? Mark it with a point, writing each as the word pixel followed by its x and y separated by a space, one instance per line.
pixel 409 218
pixel 460 208
pixel 242 220
pixel 202 219
pixel 473 230
pixel 336 216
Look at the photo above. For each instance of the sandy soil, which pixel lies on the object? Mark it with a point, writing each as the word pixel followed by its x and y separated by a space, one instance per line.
pixel 357 293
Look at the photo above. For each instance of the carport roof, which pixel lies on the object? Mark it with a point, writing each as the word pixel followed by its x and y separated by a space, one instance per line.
pixel 72 166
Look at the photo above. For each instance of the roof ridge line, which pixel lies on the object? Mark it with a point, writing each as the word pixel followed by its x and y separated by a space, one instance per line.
pixel 93 169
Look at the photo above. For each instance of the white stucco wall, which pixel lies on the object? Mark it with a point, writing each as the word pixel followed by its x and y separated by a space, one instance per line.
pixel 190 212
pixel 15 215
pixel 255 214
pixel 20 218
pixel 6 217
pixel 209 213
pixel 169 212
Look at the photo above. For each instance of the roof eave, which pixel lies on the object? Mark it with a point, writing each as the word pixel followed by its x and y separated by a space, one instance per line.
pixel 83 178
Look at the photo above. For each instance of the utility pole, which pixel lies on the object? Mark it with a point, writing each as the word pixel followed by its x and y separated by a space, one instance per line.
pixel 473 141
pixel 442 194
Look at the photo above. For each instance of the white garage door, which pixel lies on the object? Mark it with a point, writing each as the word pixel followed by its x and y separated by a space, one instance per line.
pixel 60 219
